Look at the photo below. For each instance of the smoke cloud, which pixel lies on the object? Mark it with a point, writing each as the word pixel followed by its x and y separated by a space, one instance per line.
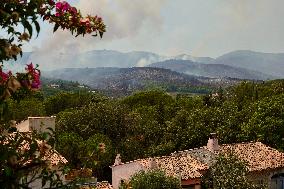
pixel 124 19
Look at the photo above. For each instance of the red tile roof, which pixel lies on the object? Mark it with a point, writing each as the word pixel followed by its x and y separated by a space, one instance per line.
pixel 46 152
pixel 184 166
pixel 257 155
pixel 191 163
pixel 103 185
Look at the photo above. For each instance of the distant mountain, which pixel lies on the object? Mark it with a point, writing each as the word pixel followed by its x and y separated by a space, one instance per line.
pixel 210 70
pixel 192 58
pixel 107 78
pixel 268 63
pixel 96 58
pixel 131 79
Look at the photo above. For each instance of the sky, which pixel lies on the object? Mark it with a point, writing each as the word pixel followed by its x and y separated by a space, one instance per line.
pixel 170 27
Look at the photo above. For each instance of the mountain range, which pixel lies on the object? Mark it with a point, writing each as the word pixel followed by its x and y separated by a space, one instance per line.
pixel 123 81
pixel 238 64
pixel 210 70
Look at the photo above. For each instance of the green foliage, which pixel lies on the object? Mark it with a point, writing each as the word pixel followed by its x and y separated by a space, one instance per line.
pixel 153 179
pixel 70 145
pixel 266 122
pixel 48 89
pixel 62 101
pixel 27 107
pixel 228 172
pixel 148 98
pixel 153 123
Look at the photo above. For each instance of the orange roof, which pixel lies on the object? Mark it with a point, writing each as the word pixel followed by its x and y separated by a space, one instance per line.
pixel 184 166
pixel 46 152
pixel 103 185
pixel 257 155
pixel 191 163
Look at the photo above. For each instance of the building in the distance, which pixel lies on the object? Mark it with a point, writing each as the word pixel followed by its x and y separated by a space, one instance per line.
pixel 265 164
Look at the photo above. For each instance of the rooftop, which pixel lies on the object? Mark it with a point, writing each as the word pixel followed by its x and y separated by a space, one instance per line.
pixel 191 163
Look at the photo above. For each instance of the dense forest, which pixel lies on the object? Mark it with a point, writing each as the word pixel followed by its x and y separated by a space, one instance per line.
pixel 154 123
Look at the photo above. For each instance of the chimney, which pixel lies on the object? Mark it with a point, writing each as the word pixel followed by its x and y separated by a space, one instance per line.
pixel 117 160
pixel 13 123
pixel 212 144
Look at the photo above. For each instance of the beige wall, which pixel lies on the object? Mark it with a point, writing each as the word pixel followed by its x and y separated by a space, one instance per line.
pixel 40 124
pixel 37 183
pixel 124 172
pixel 264 176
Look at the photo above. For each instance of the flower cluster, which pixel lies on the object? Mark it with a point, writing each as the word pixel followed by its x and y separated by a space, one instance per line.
pixel 68 17
pixel 33 80
pixel 4 76
pixel 34 76
pixel 27 13
pixel 9 84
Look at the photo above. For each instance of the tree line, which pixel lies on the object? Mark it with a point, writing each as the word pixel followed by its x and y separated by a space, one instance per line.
pixel 153 123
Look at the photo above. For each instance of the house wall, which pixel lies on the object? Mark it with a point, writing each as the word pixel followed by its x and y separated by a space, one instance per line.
pixel 124 172
pixel 37 183
pixel 191 183
pixel 264 177
pixel 41 124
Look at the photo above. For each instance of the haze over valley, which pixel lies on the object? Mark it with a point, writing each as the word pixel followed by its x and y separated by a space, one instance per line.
pixel 87 66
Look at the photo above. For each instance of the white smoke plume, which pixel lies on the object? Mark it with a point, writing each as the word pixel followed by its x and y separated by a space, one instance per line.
pixel 124 19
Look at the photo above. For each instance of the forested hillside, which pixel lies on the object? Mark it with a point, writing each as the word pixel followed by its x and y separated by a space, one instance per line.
pixel 125 81
pixel 254 64
pixel 153 123
pixel 211 70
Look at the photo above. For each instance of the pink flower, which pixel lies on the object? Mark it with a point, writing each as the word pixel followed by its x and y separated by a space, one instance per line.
pixel 73 10
pixel 30 67
pixel 3 77
pixel 86 22
pixel 34 82
pixel 66 6
pixel 62 6
pixel 58 5
pixel 35 85
pixel 99 19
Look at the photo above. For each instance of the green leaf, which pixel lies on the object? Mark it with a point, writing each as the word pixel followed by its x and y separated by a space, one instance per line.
pixel 10 30
pixel 43 182
pixel 56 27
pixel 101 34
pixel 8 171
pixel 11 39
pixel 28 26
pixel 37 27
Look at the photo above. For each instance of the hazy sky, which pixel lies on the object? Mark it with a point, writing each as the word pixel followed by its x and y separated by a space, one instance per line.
pixel 170 27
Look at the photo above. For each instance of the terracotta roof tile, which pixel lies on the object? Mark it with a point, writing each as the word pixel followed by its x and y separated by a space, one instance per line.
pixel 184 166
pixel 190 163
pixel 46 152
pixel 103 185
pixel 257 155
